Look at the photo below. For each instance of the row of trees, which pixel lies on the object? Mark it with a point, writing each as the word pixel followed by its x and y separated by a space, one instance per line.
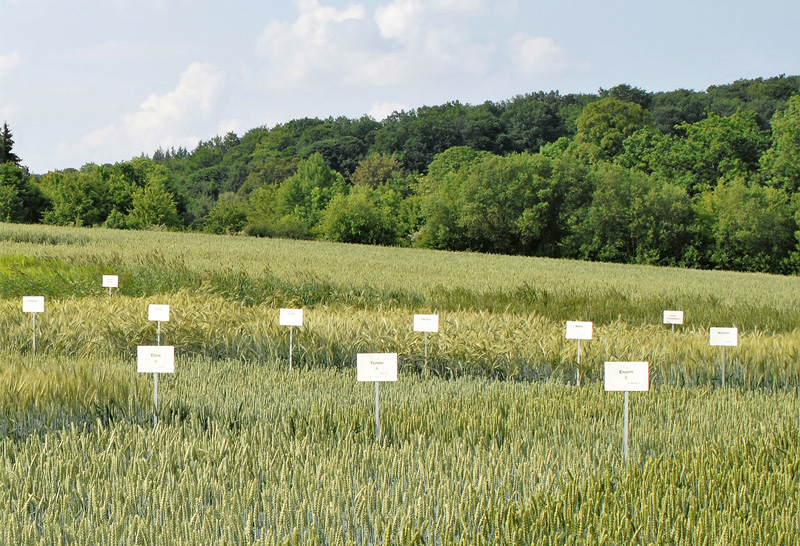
pixel 130 194
pixel 699 179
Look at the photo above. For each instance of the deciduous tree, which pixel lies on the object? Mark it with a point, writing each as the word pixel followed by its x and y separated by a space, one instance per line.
pixel 604 125
pixel 21 200
pixel 780 164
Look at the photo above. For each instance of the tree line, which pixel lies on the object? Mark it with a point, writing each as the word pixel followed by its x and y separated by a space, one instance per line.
pixel 703 179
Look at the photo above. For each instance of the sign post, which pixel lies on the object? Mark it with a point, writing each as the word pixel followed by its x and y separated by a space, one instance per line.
pixel 579 330
pixel 672 318
pixel 155 359
pixel 723 337
pixel 159 314
pixel 33 305
pixel 377 367
pixel 291 318
pixel 110 281
pixel 426 323
pixel 626 377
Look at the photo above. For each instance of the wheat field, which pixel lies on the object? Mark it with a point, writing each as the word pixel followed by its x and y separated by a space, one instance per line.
pixel 486 441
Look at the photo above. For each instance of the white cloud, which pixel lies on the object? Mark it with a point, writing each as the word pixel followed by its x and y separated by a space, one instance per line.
pixel 536 54
pixel 452 49
pixel 315 43
pixel 431 39
pixel 9 62
pixel 400 19
pixel 161 120
pixel 382 110
pixel 195 94
pixel 381 70
pixel 404 41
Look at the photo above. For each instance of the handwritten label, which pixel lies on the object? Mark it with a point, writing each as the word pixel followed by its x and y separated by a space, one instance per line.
pixel 158 313
pixel 33 304
pixel 377 366
pixel 579 330
pixel 426 323
pixel 673 317
pixel 291 317
pixel 627 376
pixel 155 359
pixel 723 337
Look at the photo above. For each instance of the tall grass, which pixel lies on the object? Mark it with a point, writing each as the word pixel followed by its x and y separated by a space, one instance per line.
pixel 301 273
pixel 46 393
pixel 247 452
pixel 255 455
pixel 502 345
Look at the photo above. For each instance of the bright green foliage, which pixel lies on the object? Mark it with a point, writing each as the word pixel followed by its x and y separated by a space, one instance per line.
pixel 451 161
pixel 376 170
pixel 604 125
pixel 227 216
pixel 105 195
pixel 679 144
pixel 440 195
pixel 488 203
pixel 153 205
pixel 261 204
pixel 262 221
pixel 634 217
pixel 711 149
pixel 360 217
pixel 720 147
pixel 780 164
pixel 78 198
pixel 306 194
pixel 10 204
pixel 751 227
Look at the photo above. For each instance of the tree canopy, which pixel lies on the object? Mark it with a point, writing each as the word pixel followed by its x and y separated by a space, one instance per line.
pixel 684 178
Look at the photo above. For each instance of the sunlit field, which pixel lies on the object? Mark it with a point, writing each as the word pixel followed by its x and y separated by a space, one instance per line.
pixel 488 440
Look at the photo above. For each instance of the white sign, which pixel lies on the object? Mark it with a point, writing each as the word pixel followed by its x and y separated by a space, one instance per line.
pixel 377 366
pixel 426 323
pixel 627 376
pixel 110 281
pixel 158 313
pixel 33 304
pixel 725 337
pixel 579 330
pixel 291 317
pixel 673 317
pixel 155 359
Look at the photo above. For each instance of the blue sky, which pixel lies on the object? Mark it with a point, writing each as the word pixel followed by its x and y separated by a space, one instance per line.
pixel 105 80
